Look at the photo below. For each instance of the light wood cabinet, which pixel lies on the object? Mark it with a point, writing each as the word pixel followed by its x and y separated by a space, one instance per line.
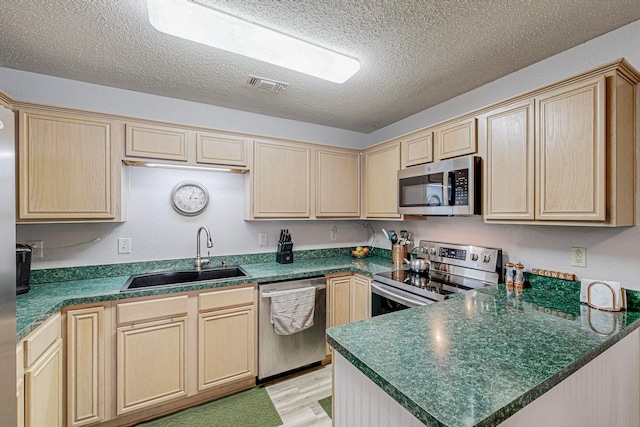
pixel 221 149
pixel 338 183
pixel 381 164
pixel 570 138
pixel 564 156
pixel 151 360
pixel 20 386
pixel 360 298
pixel 156 142
pixel 349 299
pixel 151 352
pixel 281 180
pixel 68 168
pixel 417 148
pixel 184 146
pixel 43 393
pixel 509 175
pixel 455 139
pixel 226 337
pixel 86 341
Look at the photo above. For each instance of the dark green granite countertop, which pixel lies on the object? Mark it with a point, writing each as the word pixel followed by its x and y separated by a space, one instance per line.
pixel 44 299
pixel 479 357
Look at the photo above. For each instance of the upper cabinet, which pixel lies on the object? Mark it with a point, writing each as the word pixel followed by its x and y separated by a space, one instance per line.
pixel 156 142
pixel 338 183
pixel 564 155
pixel 417 148
pixel 281 180
pixel 456 138
pixel 184 145
pixel 68 167
pixel 381 164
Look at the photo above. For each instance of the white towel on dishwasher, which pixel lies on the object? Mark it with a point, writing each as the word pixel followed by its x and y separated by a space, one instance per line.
pixel 292 310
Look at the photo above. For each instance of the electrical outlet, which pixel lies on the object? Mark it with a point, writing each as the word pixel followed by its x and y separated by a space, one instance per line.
pixel 124 245
pixel 263 239
pixel 579 257
pixel 334 232
pixel 37 248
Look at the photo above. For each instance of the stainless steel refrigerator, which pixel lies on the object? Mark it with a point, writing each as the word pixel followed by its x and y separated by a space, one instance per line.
pixel 7 269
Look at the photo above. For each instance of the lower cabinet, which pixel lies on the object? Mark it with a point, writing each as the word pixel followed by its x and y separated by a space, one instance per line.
pixel 86 365
pixel 20 386
pixel 226 337
pixel 151 363
pixel 43 395
pixel 349 299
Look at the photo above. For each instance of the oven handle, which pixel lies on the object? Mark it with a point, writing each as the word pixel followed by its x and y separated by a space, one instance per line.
pixel 378 289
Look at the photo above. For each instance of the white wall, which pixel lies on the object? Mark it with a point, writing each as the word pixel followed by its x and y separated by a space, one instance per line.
pixel 611 253
pixel 160 233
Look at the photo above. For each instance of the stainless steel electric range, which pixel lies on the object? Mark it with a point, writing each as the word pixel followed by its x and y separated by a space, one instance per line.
pixel 454 269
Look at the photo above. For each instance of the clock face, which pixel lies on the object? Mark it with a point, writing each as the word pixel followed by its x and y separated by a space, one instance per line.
pixel 189 198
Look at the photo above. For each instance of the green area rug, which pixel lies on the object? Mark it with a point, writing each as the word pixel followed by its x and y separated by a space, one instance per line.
pixel 326 405
pixel 248 408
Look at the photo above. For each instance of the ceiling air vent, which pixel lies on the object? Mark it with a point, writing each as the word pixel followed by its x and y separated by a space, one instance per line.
pixel 267 84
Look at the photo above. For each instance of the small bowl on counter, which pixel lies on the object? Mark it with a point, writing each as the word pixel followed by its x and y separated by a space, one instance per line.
pixel 360 252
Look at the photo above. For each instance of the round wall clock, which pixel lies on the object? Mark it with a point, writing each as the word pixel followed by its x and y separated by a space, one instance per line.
pixel 189 198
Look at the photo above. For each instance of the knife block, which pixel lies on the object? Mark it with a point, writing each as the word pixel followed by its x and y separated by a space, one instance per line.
pixel 285 253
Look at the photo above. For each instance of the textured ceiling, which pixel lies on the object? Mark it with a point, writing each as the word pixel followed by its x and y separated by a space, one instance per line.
pixel 413 54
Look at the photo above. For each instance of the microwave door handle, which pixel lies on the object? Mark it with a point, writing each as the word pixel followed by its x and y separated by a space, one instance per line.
pixel 451 188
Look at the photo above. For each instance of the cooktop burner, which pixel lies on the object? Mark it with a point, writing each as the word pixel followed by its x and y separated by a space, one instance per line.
pixel 454 269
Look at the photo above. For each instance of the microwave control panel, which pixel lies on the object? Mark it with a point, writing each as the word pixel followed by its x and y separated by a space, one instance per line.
pixel 461 186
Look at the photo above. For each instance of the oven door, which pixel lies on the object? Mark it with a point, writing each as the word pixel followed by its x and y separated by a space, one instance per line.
pixel 387 299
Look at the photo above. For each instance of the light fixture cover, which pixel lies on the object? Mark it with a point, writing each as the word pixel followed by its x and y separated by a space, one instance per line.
pixel 193 21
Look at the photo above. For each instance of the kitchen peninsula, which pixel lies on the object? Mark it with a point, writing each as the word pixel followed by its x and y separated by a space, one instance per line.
pixel 488 357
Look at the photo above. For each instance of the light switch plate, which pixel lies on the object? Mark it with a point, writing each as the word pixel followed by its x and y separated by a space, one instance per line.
pixel 124 245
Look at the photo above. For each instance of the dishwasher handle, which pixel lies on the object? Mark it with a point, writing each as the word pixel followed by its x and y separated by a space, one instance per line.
pixel 269 293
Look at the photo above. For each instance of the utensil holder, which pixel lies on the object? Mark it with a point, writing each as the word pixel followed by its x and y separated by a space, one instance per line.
pixel 398 253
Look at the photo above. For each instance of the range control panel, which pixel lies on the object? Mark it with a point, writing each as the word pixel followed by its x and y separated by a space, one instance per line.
pixel 475 257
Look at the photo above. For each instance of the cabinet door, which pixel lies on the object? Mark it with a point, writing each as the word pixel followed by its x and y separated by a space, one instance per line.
pixel 360 298
pixel 156 142
pixel 340 300
pixel 281 180
pixel 43 389
pixel 151 363
pixel 66 168
pixel 417 148
pixel 20 402
pixel 571 153
pixel 381 165
pixel 509 175
pixel 220 149
pixel 85 366
pixel 226 347
pixel 456 139
pixel 338 192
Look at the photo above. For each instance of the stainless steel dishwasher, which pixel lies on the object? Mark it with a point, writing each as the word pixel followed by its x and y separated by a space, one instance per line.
pixel 282 353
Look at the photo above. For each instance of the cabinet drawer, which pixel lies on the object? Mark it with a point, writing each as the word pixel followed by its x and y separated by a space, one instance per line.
pixel 226 298
pixel 38 342
pixel 130 312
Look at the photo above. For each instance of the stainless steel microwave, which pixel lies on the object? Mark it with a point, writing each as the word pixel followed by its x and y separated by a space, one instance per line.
pixel 449 187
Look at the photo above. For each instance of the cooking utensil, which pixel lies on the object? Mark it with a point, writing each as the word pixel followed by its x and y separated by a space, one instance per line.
pixel 387 235
pixel 418 265
pixel 394 238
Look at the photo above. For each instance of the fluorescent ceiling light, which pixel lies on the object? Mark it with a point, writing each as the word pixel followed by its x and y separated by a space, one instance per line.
pixel 192 21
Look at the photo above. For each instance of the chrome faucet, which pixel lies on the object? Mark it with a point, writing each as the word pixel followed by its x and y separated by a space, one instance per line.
pixel 199 261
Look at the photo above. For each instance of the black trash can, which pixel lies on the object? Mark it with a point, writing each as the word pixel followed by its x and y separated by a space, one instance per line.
pixel 23 268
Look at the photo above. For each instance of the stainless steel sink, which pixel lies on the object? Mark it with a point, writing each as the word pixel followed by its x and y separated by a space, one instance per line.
pixel 174 278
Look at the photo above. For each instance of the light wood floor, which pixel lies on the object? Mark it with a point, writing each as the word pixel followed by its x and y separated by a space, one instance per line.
pixel 296 398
